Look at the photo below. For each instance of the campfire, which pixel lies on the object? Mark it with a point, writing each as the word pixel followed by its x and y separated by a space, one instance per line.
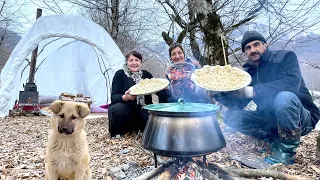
pixel 184 168
pixel 181 131
pixel 188 132
pixel 187 168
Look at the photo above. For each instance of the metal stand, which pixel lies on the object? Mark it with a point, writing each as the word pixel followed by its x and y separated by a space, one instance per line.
pixel 155 160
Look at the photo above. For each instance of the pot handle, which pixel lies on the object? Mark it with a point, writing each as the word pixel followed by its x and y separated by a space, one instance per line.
pixel 181 101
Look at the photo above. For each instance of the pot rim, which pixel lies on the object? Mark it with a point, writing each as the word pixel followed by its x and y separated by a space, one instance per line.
pixel 181 114
pixel 182 108
pixel 184 153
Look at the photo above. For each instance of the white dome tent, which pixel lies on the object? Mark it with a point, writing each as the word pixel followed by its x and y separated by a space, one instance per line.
pixel 75 55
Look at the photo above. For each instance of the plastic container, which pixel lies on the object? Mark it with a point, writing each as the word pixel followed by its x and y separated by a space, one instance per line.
pixel 179 71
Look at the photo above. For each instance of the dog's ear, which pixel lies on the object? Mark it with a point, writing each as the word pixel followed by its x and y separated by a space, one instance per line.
pixel 56 106
pixel 83 110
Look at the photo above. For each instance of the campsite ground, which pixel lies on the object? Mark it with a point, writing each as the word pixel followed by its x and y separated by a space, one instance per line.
pixel 23 139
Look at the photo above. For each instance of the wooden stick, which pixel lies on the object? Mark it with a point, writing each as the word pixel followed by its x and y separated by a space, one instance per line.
pixel 221 173
pixel 170 173
pixel 152 173
pixel 224 53
pixel 250 173
pixel 257 173
pixel 205 173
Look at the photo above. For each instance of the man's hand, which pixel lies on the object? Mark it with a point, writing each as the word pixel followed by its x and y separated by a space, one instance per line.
pixel 128 97
pixel 246 92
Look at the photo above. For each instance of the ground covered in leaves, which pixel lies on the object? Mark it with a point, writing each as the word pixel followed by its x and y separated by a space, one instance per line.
pixel 23 141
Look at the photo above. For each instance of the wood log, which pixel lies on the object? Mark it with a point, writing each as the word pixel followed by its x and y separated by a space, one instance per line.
pixel 152 173
pixel 222 174
pixel 206 174
pixel 169 173
pixel 256 173
pixel 249 173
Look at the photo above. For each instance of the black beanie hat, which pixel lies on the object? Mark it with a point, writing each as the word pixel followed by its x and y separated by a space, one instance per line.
pixel 251 36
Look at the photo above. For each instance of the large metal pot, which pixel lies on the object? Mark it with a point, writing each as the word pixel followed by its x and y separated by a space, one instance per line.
pixel 182 129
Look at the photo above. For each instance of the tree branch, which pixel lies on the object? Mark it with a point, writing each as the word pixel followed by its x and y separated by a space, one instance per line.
pixel 4 2
pixel 176 16
pixel 167 38
pixel 181 36
pixel 242 22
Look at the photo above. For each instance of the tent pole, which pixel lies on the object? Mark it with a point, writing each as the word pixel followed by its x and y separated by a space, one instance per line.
pixel 34 56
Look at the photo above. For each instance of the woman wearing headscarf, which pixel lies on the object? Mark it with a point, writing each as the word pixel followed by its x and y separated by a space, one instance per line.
pixel 125 111
pixel 176 53
pixel 182 88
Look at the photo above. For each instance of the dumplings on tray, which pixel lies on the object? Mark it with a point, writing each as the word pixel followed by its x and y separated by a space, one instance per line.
pixel 149 86
pixel 221 78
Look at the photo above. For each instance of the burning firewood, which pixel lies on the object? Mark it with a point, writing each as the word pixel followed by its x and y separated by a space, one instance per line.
pixel 152 173
pixel 206 173
pixel 221 172
pixel 169 173
pixel 188 171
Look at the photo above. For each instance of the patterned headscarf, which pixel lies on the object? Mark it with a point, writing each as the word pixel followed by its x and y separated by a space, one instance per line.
pixel 136 76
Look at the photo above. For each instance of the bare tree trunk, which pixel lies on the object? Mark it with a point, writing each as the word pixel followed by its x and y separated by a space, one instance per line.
pixel 212 28
pixel 212 36
pixel 115 19
pixel 193 40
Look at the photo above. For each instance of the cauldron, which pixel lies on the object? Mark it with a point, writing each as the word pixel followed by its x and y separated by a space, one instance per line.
pixel 182 129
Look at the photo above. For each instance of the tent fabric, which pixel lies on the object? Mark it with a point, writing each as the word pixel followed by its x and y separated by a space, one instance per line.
pixel 75 55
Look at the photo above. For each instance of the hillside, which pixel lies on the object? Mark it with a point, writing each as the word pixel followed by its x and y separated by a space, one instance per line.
pixel 156 68
pixel 306 48
pixel 9 39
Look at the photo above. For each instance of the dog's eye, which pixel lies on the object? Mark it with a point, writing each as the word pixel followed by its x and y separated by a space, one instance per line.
pixel 73 117
pixel 61 115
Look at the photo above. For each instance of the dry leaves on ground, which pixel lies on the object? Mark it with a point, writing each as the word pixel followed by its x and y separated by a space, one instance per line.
pixel 23 141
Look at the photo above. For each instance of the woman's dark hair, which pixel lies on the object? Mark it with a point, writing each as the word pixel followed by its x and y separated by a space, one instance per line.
pixel 173 46
pixel 135 54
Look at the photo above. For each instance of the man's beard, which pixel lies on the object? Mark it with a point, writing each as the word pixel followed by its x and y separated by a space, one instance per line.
pixel 254 54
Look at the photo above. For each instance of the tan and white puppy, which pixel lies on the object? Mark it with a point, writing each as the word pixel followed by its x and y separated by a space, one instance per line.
pixel 67 154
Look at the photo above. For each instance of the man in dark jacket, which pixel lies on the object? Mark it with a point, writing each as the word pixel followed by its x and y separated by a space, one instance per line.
pixel 285 110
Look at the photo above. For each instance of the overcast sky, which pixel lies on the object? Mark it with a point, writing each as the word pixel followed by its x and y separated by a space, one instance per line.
pixel 26 13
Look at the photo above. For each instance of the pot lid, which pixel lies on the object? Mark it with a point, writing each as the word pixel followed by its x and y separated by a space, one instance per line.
pixel 182 107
